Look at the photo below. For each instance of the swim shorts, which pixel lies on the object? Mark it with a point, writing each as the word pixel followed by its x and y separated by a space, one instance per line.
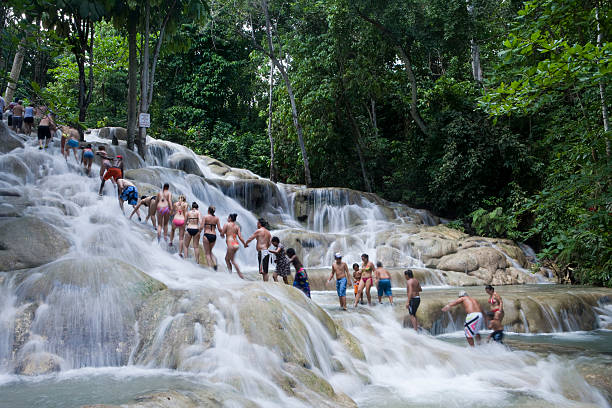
pixel 130 194
pixel 384 286
pixel 473 324
pixel 44 132
pixel 498 336
pixel 114 172
pixel 263 257
pixel 413 305
pixel 72 143
pixel 88 154
pixel 341 287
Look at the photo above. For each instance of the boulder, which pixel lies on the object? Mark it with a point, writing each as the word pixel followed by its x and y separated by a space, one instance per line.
pixel 390 257
pixel 39 363
pixel 109 132
pixel 471 259
pixel 8 142
pixel 144 175
pixel 28 242
pixel 14 169
pixel 254 194
pixel 185 162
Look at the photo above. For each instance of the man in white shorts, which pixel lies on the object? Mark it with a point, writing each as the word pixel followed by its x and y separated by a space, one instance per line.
pixel 474 318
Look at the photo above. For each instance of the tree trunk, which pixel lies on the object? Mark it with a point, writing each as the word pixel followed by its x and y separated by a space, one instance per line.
pixel 271 83
pixel 602 92
pixel 475 50
pixel 144 80
pixel 358 138
pixel 413 90
pixel 294 111
pixel 132 108
pixel 15 72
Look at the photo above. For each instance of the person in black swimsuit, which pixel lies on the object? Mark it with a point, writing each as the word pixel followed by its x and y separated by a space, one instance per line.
pixel 193 218
pixel 208 225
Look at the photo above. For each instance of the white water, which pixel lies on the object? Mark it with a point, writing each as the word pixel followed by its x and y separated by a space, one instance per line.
pixel 401 368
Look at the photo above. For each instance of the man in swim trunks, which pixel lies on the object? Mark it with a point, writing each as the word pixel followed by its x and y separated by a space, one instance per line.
pixel 263 237
pixel 340 269
pixel 413 289
pixel 18 111
pixel 127 192
pixel 382 278
pixel 45 127
pixel 473 320
pixel 498 331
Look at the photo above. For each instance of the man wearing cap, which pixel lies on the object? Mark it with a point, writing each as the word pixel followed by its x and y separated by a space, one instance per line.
pixel 473 320
pixel 340 269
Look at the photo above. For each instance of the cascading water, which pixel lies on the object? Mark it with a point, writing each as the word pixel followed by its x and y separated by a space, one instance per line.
pixel 117 310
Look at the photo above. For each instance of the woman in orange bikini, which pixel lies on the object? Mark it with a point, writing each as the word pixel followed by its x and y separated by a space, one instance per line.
pixel 231 231
pixel 367 268
pixel 179 211
pixel 210 224
pixel 164 204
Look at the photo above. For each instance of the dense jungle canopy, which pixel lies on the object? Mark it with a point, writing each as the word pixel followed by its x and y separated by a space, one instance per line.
pixel 493 113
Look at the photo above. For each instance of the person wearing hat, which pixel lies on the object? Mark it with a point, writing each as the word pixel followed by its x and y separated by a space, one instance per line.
pixel 340 269
pixel 473 318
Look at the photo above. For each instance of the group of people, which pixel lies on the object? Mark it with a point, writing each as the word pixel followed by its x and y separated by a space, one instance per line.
pixel 20 117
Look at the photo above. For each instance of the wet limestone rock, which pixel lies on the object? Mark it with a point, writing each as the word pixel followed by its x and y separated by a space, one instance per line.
pixel 28 242
pixel 390 257
pixel 109 132
pixel 38 364
pixel 8 141
pixel 184 162
pixel 471 259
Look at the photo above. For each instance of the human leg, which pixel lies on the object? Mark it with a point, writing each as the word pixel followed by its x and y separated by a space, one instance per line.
pixel 359 292
pixel 196 247
pixel 181 239
pixel 368 285
pixel 207 250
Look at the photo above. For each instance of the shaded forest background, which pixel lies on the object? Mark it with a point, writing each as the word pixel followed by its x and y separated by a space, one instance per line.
pixel 490 113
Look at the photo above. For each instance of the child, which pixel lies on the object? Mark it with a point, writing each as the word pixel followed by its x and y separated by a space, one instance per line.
pixel 356 279
pixel 301 277
pixel 283 269
pixel 87 158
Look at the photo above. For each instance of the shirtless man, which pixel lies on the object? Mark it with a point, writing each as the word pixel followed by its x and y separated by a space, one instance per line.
pixel 413 289
pixel 46 128
pixel 263 237
pixel 473 319
pixel 340 269
pixel 164 205
pixel 367 268
pixel 382 278
pixel 127 192
pixel 150 203
pixel 18 116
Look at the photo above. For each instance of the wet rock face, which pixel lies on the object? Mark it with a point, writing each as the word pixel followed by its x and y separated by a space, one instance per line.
pixel 255 195
pixel 8 141
pixel 181 161
pixel 28 242
pixel 38 364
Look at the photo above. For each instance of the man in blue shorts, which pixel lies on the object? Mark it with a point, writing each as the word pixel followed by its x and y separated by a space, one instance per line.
pixel 340 269
pixel 382 279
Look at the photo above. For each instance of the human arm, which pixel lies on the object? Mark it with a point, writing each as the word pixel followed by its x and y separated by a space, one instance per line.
pixel 348 275
pixel 252 237
pixel 332 275
pixel 219 228
pixel 241 239
pixel 500 302
pixel 452 304
pixel 409 294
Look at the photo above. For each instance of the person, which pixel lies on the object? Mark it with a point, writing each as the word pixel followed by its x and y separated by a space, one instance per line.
pixel 164 205
pixel 11 105
pixel 497 333
pixel 179 210
pixel 210 226
pixel 231 231
pixel 151 204
pixel 283 269
pixel 44 131
pixel 413 300
pixel 300 280
pixel 87 159
pixel 2 105
pixel 18 111
pixel 473 318
pixel 104 166
pixel 28 119
pixel 340 269
pixel 497 305
pixel 194 218
pixel 383 283
pixel 356 280
pixel 367 268
pixel 263 237
pixel 127 192
pixel 72 141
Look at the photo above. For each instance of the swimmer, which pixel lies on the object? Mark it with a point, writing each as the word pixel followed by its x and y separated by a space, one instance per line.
pixel 413 290
pixel 151 204
pixel 497 334
pixel 367 268
pixel 340 269
pixel 87 156
pixel 383 283
pixel 356 280
pixel 263 236
pixel 194 218
pixel 164 205
pixel 231 231
pixel 497 305
pixel 127 192
pixel 210 224
pixel 45 127
pixel 283 269
pixel 473 318
pixel 72 141
pixel 301 277
pixel 180 208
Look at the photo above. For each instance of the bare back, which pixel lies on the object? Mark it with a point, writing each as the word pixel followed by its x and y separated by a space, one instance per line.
pixel 210 223
pixel 413 287
pixel 163 199
pixel 471 305
pixel 263 237
pixel 382 273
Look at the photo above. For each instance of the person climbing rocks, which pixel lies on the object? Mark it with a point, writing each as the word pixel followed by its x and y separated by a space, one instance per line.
pixel 127 192
pixel 193 219
pixel 283 269
pixel 210 224
pixel 164 207
pixel 105 165
pixel 367 269
pixel 497 333
pixel 413 299
pixel 263 237
pixel 28 119
pixel 473 318
pixel 232 234
pixel 382 279
pixel 151 204
pixel 340 269
pixel 72 141
pixel 179 210
pixel 45 131
pixel 17 121
pixel 300 280
pixel 87 156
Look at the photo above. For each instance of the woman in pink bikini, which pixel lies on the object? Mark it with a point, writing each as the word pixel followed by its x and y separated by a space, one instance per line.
pixel 164 204
pixel 179 211
pixel 231 231
pixel 367 267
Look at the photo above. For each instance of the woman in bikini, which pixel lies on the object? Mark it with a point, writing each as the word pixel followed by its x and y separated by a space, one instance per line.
pixel 87 158
pixel 150 203
pixel 179 210
pixel 210 223
pixel 367 268
pixel 497 305
pixel 194 217
pixel 72 141
pixel 164 204
pixel 231 231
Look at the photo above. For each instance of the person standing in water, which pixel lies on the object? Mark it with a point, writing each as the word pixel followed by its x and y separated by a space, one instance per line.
pixel 300 280
pixel 164 205
pixel 45 127
pixel 497 305
pixel 473 319
pixel 87 156
pixel 72 137
pixel 497 333
pixel 210 224
pixel 283 269
pixel 367 268
pixel 104 165
pixel 127 192
pixel 151 204
pixel 340 269
pixel 18 110
pixel 413 300
pixel 356 280
pixel 263 237
pixel 231 231
pixel 28 119
pixel 179 210
pixel 383 283
pixel 194 218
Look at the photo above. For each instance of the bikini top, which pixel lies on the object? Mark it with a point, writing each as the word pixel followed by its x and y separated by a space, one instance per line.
pixel 492 300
